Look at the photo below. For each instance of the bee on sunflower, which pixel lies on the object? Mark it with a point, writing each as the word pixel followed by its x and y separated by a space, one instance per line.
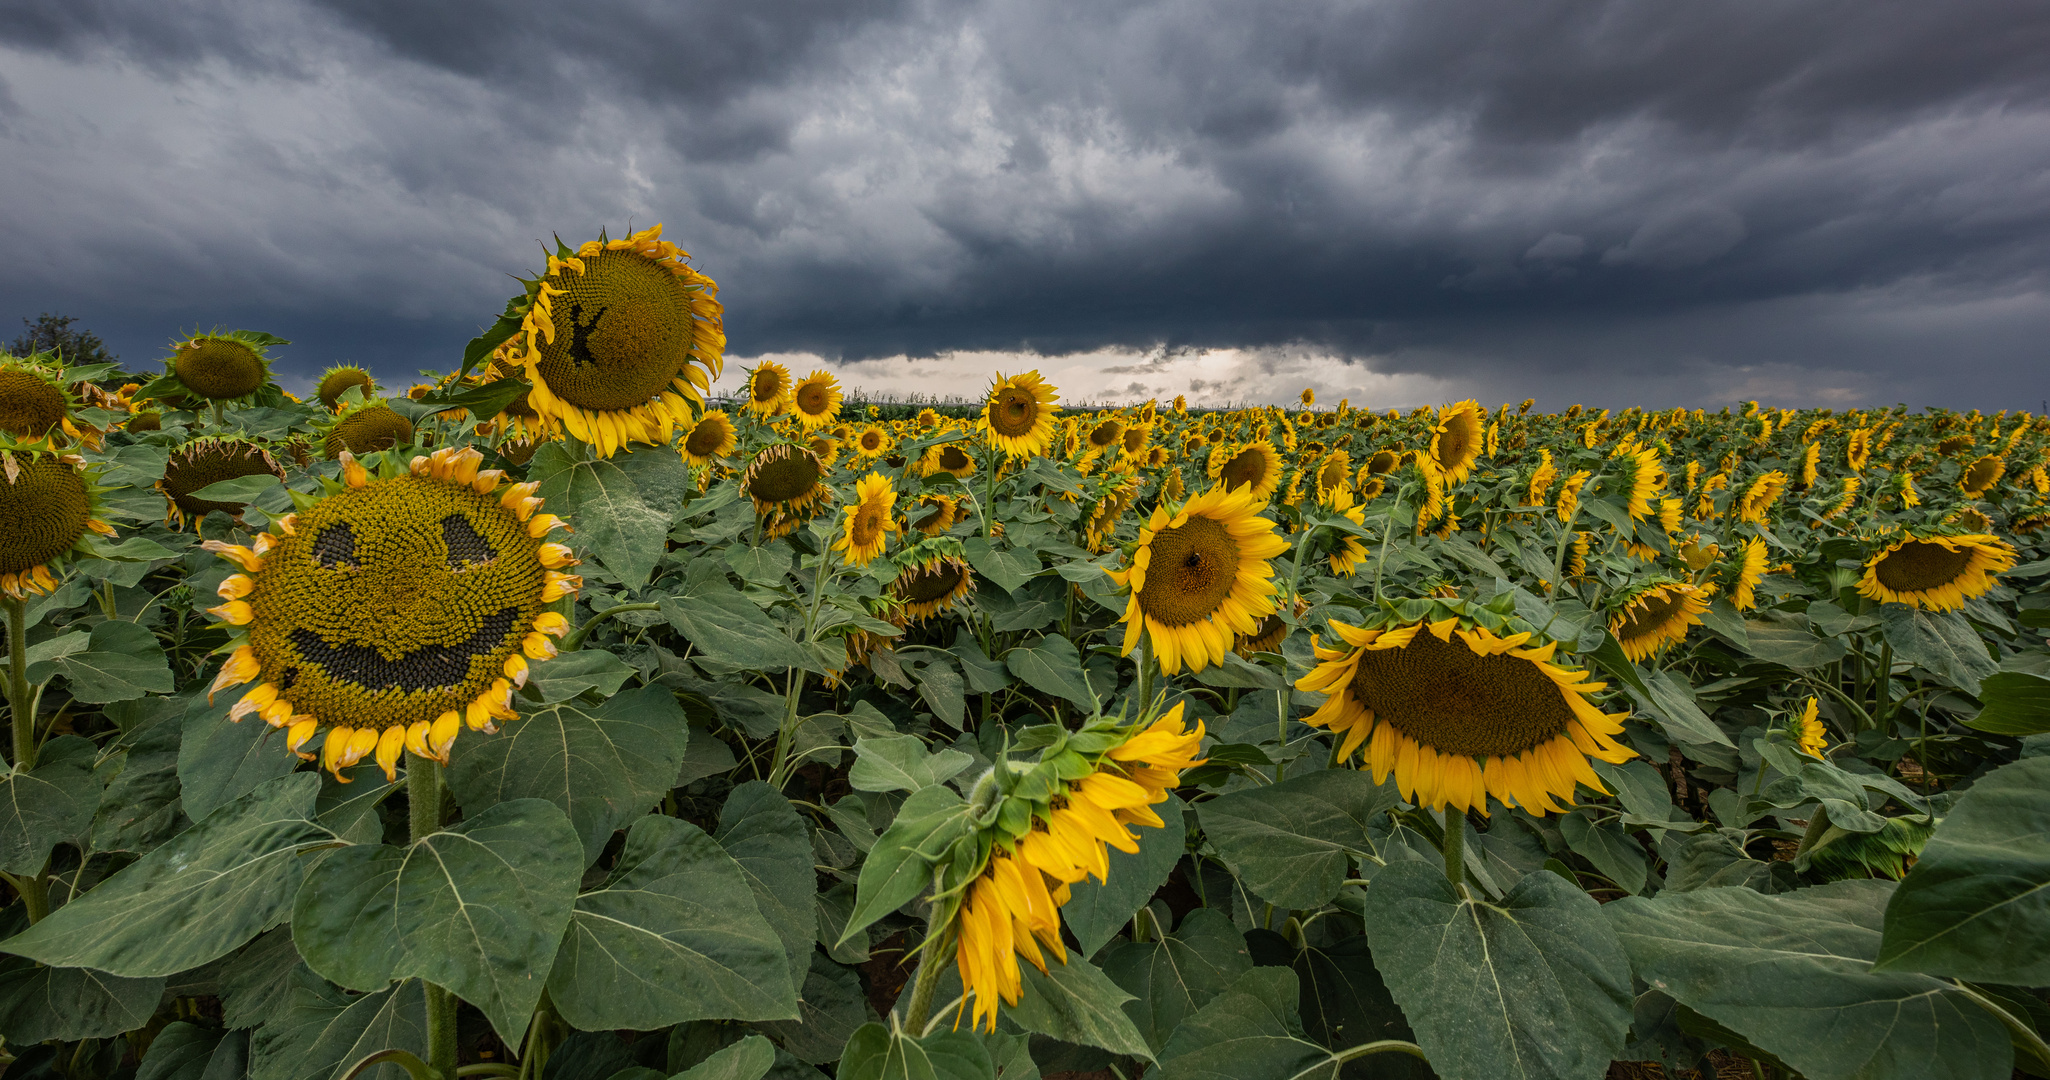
pixel 1197 576
pixel 393 609
pixel 1018 417
pixel 1460 714
pixel 619 339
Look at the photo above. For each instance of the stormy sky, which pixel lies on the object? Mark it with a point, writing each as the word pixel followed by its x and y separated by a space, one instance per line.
pixel 1811 202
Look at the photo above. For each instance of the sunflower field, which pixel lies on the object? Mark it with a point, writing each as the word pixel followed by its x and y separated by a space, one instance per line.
pixel 557 720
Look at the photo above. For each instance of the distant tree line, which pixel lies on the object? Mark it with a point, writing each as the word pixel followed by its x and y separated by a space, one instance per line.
pixel 60 334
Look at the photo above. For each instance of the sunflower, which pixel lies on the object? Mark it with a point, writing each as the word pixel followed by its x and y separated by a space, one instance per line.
pixel 1979 477
pixel 619 340
pixel 1459 714
pixel 48 503
pixel 1858 449
pixel 826 449
pixel 366 427
pixel 1350 552
pixel 1255 466
pixel 1970 519
pixel 1273 631
pixel 1138 435
pixel 1650 617
pixel 768 389
pixel 1199 576
pixel 394 609
pixel 33 401
pixel 1333 471
pixel 1810 737
pixel 1638 478
pixel 1750 571
pixel 1934 572
pixel 931 578
pixel 1456 439
pixel 1101 527
pixel 816 400
pixel 786 480
pixel 1011 908
pixel 337 380
pixel 869 521
pixel 1811 464
pixel 1018 418
pixel 710 438
pixel 935 514
pixel 1309 397
pixel 1760 495
pixel 1537 489
pixel 950 458
pixel 210 460
pixel 222 366
pixel 872 442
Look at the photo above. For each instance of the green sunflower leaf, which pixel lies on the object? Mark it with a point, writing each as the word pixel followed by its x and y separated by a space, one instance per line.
pixel 185 1051
pixel 1793 975
pixel 876 1053
pixel 1977 903
pixel 1293 842
pixel 1077 1003
pixel 1534 986
pixel 47 806
pixel 727 626
pixel 1251 1031
pixel 2016 704
pixel 320 1031
pixel 763 833
pixel 603 765
pixel 478 908
pixel 602 503
pixel 198 896
pixel 70 1003
pixel 673 935
pixel 1053 666
pixel 1940 641
pixel 1171 978
pixel 219 761
pixel 1097 910
pixel 748 1059
pixel 902 763
pixel 121 662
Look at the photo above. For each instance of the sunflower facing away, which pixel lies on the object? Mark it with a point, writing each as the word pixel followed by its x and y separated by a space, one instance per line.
pixel 1650 618
pixel 1810 737
pixel 1018 418
pixel 1012 907
pixel 1456 439
pixel 1459 714
pixel 1936 573
pixel 870 521
pixel 1638 478
pixel 620 340
pixel 394 610
pixel 338 380
pixel 1759 497
pixel 1199 577
pixel 1750 571
pixel 48 504
pixel 816 400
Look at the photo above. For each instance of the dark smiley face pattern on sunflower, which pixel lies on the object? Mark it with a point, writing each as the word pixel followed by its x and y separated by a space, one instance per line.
pixel 394 603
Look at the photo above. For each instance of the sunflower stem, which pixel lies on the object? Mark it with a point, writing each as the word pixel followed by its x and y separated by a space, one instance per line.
pixel 1145 671
pixel 929 967
pixel 576 640
pixel 20 713
pixel 423 796
pixel 1455 848
pixel 217 415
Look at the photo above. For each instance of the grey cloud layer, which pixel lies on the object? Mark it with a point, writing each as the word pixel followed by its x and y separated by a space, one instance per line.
pixel 1809 200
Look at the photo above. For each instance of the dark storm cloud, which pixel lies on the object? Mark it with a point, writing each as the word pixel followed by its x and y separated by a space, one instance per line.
pixel 1805 199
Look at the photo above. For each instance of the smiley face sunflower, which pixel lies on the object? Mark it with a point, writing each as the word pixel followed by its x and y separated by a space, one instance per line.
pixel 394 610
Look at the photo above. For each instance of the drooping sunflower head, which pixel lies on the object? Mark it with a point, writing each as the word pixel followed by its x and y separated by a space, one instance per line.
pixel 1120 491
pixel 1760 496
pixel 1969 519
pixel 1460 714
pixel 395 609
pixel 1935 572
pixel 816 400
pixel 1979 477
pixel 1137 436
pixel 785 478
pixel 338 380
pixel 1333 472
pixel 950 458
pixel 1256 466
pixel 231 365
pixel 366 427
pixel 870 520
pixel 210 460
pixel 1637 478
pixel 932 577
pixel 33 398
pixel 1456 439
pixel 1538 488
pixel 710 438
pixel 1198 576
pixel 620 339
pixel 1383 462
pixel 48 505
pixel 1018 418
pixel 1651 616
